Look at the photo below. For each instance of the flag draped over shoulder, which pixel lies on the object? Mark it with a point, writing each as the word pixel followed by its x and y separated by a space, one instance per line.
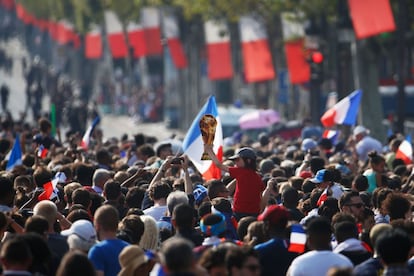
pixel 344 112
pixel 87 136
pixel 15 157
pixel 193 144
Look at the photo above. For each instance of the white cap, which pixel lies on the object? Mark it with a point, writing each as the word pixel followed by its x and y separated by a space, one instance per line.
pixel 83 229
pixel 360 130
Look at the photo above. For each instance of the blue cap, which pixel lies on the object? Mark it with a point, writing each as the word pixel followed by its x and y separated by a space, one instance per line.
pixel 322 176
pixel 200 192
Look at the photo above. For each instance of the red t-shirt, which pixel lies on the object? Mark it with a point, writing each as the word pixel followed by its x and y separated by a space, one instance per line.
pixel 249 188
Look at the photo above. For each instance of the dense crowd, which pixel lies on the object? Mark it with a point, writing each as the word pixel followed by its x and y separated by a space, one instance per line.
pixel 132 206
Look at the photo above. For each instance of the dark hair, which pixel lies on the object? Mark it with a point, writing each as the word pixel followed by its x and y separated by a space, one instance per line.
pixel 361 183
pixel 397 205
pixel 159 190
pixel 75 263
pixel 112 190
pixel 375 158
pixel 134 197
pixel 184 215
pixel 346 198
pixel 393 246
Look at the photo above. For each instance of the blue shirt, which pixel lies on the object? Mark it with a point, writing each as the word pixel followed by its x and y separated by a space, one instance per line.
pixel 104 256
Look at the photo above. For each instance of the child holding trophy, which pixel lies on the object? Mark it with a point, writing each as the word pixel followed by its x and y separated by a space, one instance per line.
pixel 249 187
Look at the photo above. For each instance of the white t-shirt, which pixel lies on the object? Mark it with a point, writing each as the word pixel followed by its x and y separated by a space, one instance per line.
pixel 317 263
pixel 156 211
pixel 366 145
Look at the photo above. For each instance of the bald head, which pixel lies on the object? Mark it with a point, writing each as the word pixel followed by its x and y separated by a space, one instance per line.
pixel 46 209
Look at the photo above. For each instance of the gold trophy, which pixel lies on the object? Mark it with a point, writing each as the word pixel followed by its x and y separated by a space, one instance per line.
pixel 208 129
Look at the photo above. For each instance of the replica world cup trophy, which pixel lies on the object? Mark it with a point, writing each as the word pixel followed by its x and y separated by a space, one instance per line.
pixel 208 129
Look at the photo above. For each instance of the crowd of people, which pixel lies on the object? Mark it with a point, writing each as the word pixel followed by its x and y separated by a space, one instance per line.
pixel 132 206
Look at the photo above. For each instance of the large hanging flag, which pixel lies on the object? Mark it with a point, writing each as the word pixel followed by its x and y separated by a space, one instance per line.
pixel 217 36
pixel 116 37
pixel 150 20
pixel 344 112
pixel 193 144
pixel 93 43
pixel 371 17
pixel 136 39
pixel 15 157
pixel 87 136
pixel 405 152
pixel 258 65
pixel 7 4
pixel 172 34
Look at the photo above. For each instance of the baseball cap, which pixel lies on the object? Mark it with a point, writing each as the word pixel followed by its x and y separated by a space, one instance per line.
pixel 131 257
pixel 83 229
pixel 244 153
pixel 359 130
pixel 308 144
pixel 322 176
pixel 199 193
pixel 160 146
pixel 274 214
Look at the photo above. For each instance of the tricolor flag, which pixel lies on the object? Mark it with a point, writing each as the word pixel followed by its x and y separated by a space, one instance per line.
pixel 193 144
pixel 42 151
pixel 172 34
pixel 368 23
pixel 136 39
pixel 87 136
pixel 322 197
pixel 116 37
pixel 50 190
pixel 15 157
pixel 297 239
pixel 405 152
pixel 93 43
pixel 217 36
pixel 150 20
pixel 258 65
pixel 331 135
pixel 344 112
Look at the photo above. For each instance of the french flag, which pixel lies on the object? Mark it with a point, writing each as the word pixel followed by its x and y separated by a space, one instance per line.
pixel 150 19
pixel 116 37
pixel 87 136
pixel 405 152
pixel 344 112
pixel 322 198
pixel 193 144
pixel 136 39
pixel 172 34
pixel 50 191
pixel 331 135
pixel 93 43
pixel 42 151
pixel 258 65
pixel 297 239
pixel 15 157
pixel 217 36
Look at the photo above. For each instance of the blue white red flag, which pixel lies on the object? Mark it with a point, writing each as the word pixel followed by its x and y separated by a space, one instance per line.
pixel 87 136
pixel 42 151
pixel 193 144
pixel 331 135
pixel 405 152
pixel 15 157
pixel 297 239
pixel 344 112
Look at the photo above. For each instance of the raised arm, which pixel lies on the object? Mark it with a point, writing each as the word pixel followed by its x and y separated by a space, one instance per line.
pixel 217 162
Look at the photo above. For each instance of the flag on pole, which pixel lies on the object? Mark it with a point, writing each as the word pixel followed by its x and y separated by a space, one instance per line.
pixel 15 157
pixel 258 65
pixel 344 112
pixel 193 144
pixel 42 151
pixel 217 36
pixel 87 136
pixel 331 135
pixel 371 17
pixel 150 20
pixel 116 37
pixel 93 43
pixel 136 39
pixel 405 152
pixel 297 239
pixel 172 34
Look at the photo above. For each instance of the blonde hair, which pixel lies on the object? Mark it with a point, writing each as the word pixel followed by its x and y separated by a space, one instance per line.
pixel 150 238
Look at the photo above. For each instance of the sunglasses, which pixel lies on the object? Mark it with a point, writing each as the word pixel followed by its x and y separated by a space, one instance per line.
pixel 252 267
pixel 357 205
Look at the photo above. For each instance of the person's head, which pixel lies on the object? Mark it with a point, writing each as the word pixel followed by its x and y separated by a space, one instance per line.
pixel 329 208
pixel 106 219
pixel 150 237
pixel 214 259
pixel 351 203
pixel 82 197
pixel 359 132
pixel 15 254
pixel 37 224
pixel 397 206
pixel 103 156
pixel 133 226
pixel 393 247
pixel 242 261
pixel 243 225
pixel 183 216
pixel 275 218
pixel 69 189
pixel 319 234
pixel 41 176
pixel 177 255
pixel 360 183
pixel 45 125
pixel 144 152
pixel 133 261
pixel 112 190
pixel 25 182
pixel 345 230
pixel 245 157
pixel 48 210
pixel 134 197
pixel 376 161
pixel 216 188
pixel 316 163
pixel 256 233
pixel 290 197
pixel 159 190
pixel 163 149
pixel 376 231
pixel 75 263
pixel 100 176
pixel 323 178
pixel 81 235
pixel 175 198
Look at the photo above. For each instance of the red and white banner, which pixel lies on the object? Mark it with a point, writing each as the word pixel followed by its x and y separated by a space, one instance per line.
pixel 172 34
pixel 258 65
pixel 150 20
pixel 217 36
pixel 116 37
pixel 93 43
pixel 371 17
pixel 136 39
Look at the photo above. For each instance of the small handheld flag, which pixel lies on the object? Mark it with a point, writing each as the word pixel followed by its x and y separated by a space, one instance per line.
pixel 297 239
pixel 15 155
